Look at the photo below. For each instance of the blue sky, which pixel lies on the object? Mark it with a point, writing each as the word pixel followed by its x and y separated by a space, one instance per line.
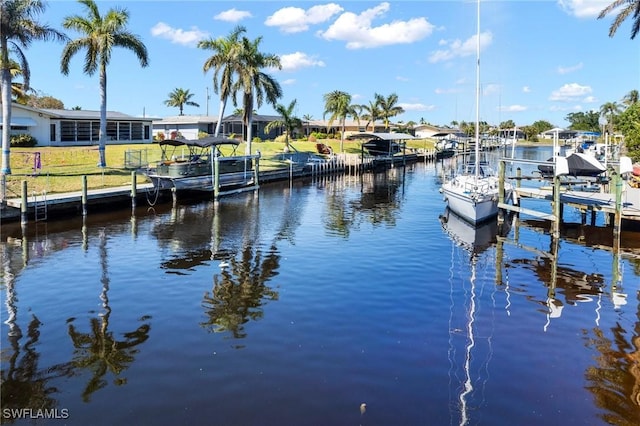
pixel 540 60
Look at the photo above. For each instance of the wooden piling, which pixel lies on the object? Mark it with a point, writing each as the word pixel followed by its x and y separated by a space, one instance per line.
pixel 24 212
pixel 84 195
pixel 134 190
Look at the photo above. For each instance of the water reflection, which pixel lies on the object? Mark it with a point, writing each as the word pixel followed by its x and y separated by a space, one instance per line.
pixel 23 383
pixel 470 347
pixel 240 291
pixel 614 379
pixel 98 351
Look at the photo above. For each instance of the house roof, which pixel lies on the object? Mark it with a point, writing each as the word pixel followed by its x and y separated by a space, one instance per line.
pixel 187 119
pixel 80 114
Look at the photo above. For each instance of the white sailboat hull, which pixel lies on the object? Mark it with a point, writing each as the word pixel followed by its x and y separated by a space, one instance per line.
pixel 474 199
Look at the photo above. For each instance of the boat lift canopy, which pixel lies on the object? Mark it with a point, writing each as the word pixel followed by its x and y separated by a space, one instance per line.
pixel 382 136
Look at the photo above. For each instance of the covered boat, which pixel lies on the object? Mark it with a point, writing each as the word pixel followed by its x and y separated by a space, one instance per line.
pixel 203 164
pixel 579 164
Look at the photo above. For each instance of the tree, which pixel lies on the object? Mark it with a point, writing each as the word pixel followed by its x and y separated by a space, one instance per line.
pixel 18 29
pixel 610 110
pixel 627 8
pixel 388 107
pixel 45 101
pixel 179 98
pixel 338 104
pixel 371 113
pixel 307 118
pixel 255 84
pixel 631 98
pixel 100 34
pixel 288 121
pixel 629 126
pixel 587 121
pixel 226 62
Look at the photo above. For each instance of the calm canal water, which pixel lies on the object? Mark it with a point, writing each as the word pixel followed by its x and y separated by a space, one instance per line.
pixel 343 301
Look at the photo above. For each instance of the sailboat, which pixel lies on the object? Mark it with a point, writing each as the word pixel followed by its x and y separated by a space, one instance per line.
pixel 473 192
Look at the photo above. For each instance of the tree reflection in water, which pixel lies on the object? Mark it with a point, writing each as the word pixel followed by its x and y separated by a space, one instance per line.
pixel 98 350
pixel 615 379
pixel 23 383
pixel 240 291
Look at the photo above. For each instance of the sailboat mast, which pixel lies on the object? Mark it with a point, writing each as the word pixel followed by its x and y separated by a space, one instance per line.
pixel 477 160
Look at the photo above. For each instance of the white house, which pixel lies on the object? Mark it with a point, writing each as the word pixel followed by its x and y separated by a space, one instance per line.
pixel 61 127
pixel 188 126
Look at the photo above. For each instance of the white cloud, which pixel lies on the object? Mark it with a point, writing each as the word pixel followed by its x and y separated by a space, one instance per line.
pixel 359 33
pixel 295 61
pixel 289 82
pixel 458 48
pixel 295 19
pixel 232 15
pixel 177 35
pixel 513 108
pixel 490 89
pixel 417 107
pixel 570 92
pixel 440 91
pixel 590 100
pixel 401 78
pixel 526 89
pixel 572 68
pixel 584 8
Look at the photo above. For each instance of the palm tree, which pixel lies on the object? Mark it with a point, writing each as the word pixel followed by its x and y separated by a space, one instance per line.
pixel 631 98
pixel 610 110
pixel 179 98
pixel 100 34
pixel 307 118
pixel 371 113
pixel 18 29
pixel 288 121
pixel 629 7
pixel 225 62
pixel 253 82
pixel 388 107
pixel 338 104
pixel 18 90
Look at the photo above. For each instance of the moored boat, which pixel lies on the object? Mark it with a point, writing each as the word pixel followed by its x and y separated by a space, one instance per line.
pixel 203 165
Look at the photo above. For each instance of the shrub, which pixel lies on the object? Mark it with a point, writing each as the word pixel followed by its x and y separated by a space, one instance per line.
pixel 159 136
pixel 256 139
pixel 202 135
pixel 22 140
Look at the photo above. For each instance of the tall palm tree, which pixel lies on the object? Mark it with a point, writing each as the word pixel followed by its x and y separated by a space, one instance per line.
pixel 388 107
pixel 371 113
pixel 225 62
pixel 255 84
pixel 288 121
pixel 610 110
pixel 19 28
pixel 179 98
pixel 629 7
pixel 338 104
pixel 631 98
pixel 100 34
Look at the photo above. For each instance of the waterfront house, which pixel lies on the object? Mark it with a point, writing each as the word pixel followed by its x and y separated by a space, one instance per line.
pixel 61 127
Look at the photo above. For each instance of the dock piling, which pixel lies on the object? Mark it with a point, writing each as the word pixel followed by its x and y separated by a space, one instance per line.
pixel 24 214
pixel 84 195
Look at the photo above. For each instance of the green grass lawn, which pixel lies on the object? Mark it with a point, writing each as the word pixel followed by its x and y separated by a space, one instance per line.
pixel 62 168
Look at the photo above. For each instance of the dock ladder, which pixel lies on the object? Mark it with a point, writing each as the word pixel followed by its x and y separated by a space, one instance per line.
pixel 40 206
